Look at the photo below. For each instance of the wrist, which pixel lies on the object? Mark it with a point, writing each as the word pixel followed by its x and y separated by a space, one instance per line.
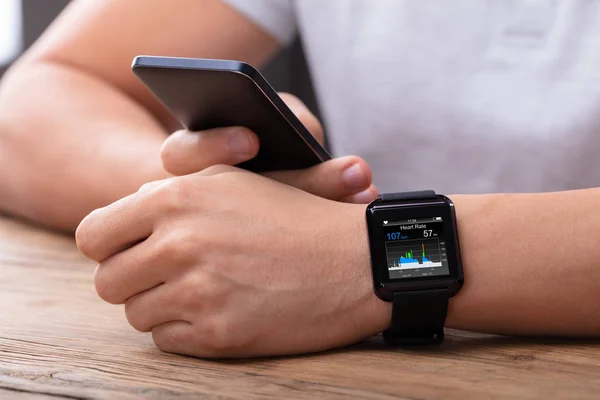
pixel 373 315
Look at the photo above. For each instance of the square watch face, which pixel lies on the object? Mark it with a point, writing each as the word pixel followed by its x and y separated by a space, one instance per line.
pixel 413 244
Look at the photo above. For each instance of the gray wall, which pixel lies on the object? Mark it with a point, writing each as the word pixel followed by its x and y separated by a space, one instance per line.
pixel 37 15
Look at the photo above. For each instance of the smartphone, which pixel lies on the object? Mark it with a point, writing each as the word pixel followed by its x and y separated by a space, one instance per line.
pixel 204 94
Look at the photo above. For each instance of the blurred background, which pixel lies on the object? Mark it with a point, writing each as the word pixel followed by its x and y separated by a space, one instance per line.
pixel 22 21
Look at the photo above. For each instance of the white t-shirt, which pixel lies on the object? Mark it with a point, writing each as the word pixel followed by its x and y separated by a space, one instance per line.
pixel 460 97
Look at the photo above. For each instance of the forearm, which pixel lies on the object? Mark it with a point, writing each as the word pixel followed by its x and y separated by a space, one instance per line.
pixel 70 143
pixel 530 264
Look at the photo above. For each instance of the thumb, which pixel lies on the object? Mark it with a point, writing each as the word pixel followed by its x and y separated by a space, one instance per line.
pixel 346 179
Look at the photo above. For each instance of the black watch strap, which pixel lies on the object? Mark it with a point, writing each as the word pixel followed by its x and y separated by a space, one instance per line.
pixel 418 195
pixel 417 316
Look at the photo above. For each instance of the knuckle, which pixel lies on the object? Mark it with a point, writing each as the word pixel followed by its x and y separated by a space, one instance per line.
pixel 192 294
pixel 169 248
pixel 220 335
pixel 217 292
pixel 189 244
pixel 202 290
pixel 169 196
pixel 179 246
pixel 148 186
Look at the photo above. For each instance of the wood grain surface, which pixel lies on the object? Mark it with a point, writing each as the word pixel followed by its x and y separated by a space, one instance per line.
pixel 59 340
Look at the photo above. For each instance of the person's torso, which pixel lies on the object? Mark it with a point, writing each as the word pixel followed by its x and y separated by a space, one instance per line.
pixel 466 97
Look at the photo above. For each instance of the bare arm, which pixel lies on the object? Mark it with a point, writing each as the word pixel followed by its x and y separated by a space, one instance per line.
pixel 77 131
pixel 531 264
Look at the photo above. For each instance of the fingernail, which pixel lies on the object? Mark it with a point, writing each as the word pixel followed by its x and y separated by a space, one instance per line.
pixel 240 142
pixel 355 177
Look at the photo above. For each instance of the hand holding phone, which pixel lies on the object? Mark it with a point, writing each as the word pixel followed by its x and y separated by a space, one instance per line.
pixel 184 152
pixel 206 94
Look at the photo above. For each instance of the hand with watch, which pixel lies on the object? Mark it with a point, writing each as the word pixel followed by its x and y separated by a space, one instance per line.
pixel 416 263
pixel 242 265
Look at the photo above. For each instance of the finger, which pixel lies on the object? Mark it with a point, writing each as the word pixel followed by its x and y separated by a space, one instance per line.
pixel 334 179
pixel 364 197
pixel 175 337
pixel 122 224
pixel 182 337
pixel 186 152
pixel 305 116
pixel 154 307
pixel 142 267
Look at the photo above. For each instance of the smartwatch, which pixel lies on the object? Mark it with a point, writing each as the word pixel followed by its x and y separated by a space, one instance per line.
pixel 416 263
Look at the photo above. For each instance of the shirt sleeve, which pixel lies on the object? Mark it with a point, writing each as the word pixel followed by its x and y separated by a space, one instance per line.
pixel 276 17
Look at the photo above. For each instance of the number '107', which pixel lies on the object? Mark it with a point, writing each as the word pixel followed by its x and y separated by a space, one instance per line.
pixel 398 235
pixel 394 236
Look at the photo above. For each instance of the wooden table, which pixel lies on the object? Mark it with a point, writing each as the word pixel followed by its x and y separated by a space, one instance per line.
pixel 59 340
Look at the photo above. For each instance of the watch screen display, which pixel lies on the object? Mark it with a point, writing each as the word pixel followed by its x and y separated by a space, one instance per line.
pixel 415 248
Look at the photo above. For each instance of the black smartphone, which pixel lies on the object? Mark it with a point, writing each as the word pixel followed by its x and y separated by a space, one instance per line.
pixel 204 93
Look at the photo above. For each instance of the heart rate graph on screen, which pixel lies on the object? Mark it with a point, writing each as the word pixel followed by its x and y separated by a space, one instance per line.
pixel 415 248
pixel 414 254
